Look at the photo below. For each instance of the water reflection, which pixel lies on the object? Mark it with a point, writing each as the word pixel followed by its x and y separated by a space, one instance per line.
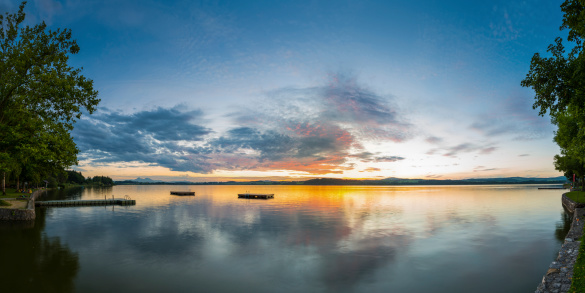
pixel 564 225
pixel 308 239
pixel 77 192
pixel 33 262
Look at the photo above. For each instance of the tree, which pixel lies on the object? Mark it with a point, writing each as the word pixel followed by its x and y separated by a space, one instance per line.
pixel 569 166
pixel 41 96
pixel 559 81
pixel 75 177
pixel 559 85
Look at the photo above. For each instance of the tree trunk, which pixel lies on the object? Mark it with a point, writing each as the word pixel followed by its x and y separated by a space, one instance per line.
pixel 582 183
pixel 17 183
pixel 3 183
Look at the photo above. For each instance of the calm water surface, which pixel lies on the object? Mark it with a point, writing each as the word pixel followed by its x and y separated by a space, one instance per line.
pixel 306 239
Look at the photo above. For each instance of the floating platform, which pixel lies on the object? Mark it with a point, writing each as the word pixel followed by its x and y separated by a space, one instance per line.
pixel 552 188
pixel 256 195
pixel 90 202
pixel 182 192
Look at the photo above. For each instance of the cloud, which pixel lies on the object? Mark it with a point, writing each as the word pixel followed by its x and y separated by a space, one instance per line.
pixel 492 127
pixel 371 169
pixel 461 148
pixel 388 159
pixel 363 156
pixel 375 157
pixel 342 103
pixel 270 145
pixel 513 117
pixel 487 151
pixel 433 176
pixel 311 130
pixel 502 27
pixel 484 169
pixel 454 151
pixel 434 140
pixel 315 149
pixel 315 129
pixel 372 115
pixel 165 137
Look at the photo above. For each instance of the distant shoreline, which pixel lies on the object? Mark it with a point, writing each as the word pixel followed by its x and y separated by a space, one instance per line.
pixel 380 182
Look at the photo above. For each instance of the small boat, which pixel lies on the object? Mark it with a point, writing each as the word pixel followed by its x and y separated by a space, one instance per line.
pixel 182 192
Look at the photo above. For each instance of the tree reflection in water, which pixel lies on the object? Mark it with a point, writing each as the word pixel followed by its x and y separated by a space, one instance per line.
pixel 33 262
pixel 563 226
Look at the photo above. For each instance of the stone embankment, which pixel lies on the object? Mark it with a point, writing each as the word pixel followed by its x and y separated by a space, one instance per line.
pixel 571 205
pixel 27 214
pixel 558 277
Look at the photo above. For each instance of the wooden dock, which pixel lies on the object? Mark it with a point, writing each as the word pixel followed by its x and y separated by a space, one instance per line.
pixel 552 188
pixel 90 202
pixel 182 192
pixel 256 195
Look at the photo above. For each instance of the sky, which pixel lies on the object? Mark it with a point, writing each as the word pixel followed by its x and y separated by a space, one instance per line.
pixel 293 90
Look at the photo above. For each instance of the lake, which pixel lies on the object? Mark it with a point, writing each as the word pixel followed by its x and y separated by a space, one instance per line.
pixel 307 239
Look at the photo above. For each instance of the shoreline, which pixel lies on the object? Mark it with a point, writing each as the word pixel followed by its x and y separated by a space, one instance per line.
pixel 26 214
pixel 560 272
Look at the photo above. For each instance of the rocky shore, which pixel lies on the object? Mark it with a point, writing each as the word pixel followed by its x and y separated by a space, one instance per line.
pixel 560 272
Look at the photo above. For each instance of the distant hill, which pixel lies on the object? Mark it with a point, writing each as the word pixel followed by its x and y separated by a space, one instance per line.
pixel 403 181
pixel 145 180
pixel 386 181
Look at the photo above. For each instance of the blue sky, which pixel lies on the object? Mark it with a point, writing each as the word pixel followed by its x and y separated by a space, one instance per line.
pixel 232 90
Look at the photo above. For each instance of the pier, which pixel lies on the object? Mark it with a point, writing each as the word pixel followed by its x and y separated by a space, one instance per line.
pixel 89 202
pixel 182 192
pixel 256 195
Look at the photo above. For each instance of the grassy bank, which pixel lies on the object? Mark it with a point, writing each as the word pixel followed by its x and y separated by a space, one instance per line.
pixel 12 193
pixel 577 196
pixel 4 203
pixel 578 282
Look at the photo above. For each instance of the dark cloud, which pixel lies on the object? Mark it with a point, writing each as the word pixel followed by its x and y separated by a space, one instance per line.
pixel 524 155
pixel 388 159
pixel 375 157
pixel 364 156
pixel 163 124
pixel 270 144
pixel 317 149
pixel 164 137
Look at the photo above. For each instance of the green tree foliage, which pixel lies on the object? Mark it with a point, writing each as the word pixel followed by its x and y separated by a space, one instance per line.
pixel 75 177
pixel 41 96
pixel 559 85
pixel 102 180
pixel 559 80
pixel 570 166
pixel 573 155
